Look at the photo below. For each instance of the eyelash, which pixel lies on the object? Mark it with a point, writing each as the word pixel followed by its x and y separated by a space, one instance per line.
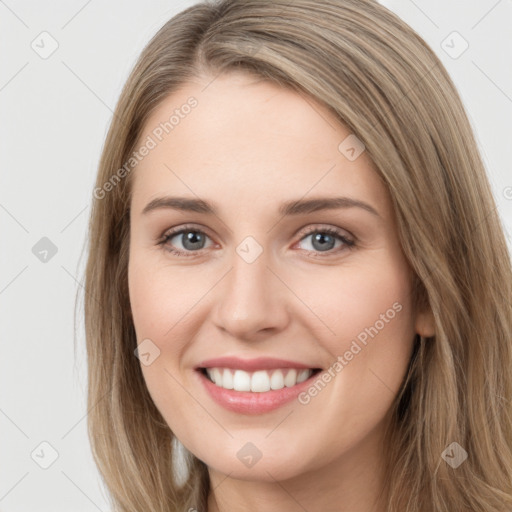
pixel 348 243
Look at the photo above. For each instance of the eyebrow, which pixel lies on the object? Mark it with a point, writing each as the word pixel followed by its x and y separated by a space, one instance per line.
pixel 294 207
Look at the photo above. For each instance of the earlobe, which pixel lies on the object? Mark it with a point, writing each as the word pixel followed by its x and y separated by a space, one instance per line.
pixel 425 325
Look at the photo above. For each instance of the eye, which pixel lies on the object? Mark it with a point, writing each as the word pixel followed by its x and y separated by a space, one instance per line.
pixel 324 240
pixel 193 240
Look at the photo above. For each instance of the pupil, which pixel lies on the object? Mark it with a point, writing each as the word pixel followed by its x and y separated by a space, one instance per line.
pixel 320 238
pixel 193 238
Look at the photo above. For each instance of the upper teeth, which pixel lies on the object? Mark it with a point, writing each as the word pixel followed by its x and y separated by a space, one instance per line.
pixel 259 381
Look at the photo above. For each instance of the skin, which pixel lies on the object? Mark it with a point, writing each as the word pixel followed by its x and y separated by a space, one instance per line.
pixel 248 146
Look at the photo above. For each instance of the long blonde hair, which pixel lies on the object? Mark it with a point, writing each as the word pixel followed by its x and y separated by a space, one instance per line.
pixel 383 82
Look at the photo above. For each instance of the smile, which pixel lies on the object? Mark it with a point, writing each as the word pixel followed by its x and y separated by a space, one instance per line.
pixel 259 381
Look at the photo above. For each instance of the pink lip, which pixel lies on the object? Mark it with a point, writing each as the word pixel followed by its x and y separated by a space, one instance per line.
pixel 245 402
pixel 250 365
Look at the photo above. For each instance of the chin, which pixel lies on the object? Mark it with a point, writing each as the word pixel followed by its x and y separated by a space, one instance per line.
pixel 265 464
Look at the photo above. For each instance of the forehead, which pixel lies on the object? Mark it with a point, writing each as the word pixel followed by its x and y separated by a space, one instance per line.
pixel 239 137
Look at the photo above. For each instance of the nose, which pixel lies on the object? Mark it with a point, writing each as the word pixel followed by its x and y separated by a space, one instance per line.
pixel 252 301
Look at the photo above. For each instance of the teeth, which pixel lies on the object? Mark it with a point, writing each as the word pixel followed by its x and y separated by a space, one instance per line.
pixel 303 375
pixel 290 379
pixel 241 381
pixel 217 375
pixel 227 379
pixel 259 381
pixel 277 380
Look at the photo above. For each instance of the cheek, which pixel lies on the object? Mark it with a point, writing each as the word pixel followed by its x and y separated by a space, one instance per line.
pixel 160 298
pixel 160 302
pixel 166 303
pixel 370 336
pixel 363 303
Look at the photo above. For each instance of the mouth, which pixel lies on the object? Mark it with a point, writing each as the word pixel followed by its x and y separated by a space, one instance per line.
pixel 260 381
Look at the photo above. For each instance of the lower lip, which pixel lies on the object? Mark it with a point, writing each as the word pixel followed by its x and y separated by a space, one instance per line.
pixel 245 402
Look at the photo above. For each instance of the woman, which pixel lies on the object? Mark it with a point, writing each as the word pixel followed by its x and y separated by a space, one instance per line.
pixel 297 279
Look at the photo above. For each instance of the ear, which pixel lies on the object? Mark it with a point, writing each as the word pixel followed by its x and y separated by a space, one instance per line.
pixel 424 324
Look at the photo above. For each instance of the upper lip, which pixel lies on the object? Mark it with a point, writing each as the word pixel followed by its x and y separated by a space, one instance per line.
pixel 259 363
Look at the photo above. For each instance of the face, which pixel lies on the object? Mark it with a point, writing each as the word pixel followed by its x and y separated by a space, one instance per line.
pixel 278 273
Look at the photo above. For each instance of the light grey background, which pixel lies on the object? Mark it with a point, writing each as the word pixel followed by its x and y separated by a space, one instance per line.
pixel 54 116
